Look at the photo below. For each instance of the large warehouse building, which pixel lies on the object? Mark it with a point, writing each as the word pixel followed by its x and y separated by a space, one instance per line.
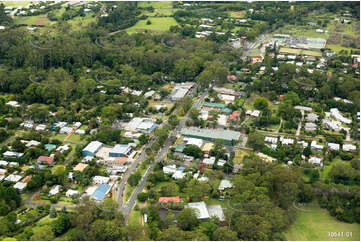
pixel 92 148
pixel 228 137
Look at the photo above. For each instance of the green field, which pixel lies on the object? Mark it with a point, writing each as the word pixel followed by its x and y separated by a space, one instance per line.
pixel 157 25
pixel 16 3
pixel 338 48
pixel 29 20
pixel 159 4
pixel 315 225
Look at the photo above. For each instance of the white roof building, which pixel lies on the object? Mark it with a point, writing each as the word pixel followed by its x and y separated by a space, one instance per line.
pixel 315 160
pixel 337 115
pixel 141 124
pixel 193 141
pixel 217 211
pixel 32 143
pixel 65 130
pixel 306 109
pixel 71 193
pixel 3 163
pixel 13 163
pixel 225 184
pixel 80 131
pixel 333 146
pixel 348 147
pixel 303 143
pixel 13 178
pixel 221 162
pixel 100 179
pixel 315 146
pixel 285 141
pixel 203 179
pixel 178 175
pixel 169 169
pixel 55 190
pixel 272 140
pixel 12 154
pixel 332 124
pixel 13 103
pixel 201 208
pixel 92 147
pixel 40 127
pixel 20 186
pixel 209 161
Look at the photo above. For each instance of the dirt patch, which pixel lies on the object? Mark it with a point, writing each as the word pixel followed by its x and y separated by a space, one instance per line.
pixel 41 21
pixel 239 14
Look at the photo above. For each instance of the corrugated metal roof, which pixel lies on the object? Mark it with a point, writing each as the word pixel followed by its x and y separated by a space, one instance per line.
pixel 101 192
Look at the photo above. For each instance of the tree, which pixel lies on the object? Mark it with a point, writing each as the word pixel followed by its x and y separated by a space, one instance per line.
pixel 261 103
pixel 256 141
pixel 169 190
pixel 187 219
pixel 224 234
pixel 172 233
pixel 193 150
pixel 61 224
pixel 43 234
pixel 52 213
pixel 142 197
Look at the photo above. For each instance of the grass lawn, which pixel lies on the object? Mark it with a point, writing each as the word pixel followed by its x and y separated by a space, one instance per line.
pixel 25 196
pixel 159 4
pixel 127 192
pixel 135 218
pixel 58 136
pixel 157 24
pixel 160 185
pixel 76 138
pixel 236 14
pixel 338 48
pixel 240 154
pixel 15 3
pixel 327 169
pixel 316 225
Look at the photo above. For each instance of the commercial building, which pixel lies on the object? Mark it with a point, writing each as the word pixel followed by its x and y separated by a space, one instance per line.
pixel 92 148
pixel 228 137
pixel 121 150
pixel 180 91
pixel 145 125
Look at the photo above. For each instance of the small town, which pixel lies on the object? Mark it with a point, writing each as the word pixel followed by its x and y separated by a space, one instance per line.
pixel 179 121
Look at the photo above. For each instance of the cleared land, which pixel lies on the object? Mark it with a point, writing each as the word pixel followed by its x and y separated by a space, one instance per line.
pixel 32 20
pixel 316 224
pixel 299 51
pixel 158 24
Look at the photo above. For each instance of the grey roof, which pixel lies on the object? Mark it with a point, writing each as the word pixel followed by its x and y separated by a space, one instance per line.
pixel 212 133
pixel 201 209
pixel 93 146
pixel 216 210
pixel 121 149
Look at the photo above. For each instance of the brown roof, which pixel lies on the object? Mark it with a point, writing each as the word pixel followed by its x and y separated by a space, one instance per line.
pixel 80 167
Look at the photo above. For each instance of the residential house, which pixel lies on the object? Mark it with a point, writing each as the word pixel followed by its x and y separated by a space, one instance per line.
pixel 312 117
pixel 309 127
pixel 348 147
pixel 315 146
pixel 100 179
pixel 316 160
pixel 71 193
pixel 333 146
pixel 55 190
pixel 225 184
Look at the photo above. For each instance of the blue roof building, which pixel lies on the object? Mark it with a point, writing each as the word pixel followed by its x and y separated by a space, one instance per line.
pixel 101 191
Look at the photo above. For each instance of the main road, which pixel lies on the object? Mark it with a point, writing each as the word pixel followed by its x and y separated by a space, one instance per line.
pixel 126 209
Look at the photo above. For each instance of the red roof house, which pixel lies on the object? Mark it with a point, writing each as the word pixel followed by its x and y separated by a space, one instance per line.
pixel 46 159
pixel 234 115
pixel 169 199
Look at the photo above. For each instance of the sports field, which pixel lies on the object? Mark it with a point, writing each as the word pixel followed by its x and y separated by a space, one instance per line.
pixel 314 224
pixel 32 20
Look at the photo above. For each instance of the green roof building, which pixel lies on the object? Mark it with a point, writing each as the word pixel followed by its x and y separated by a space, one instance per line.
pixel 228 137
pixel 214 105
